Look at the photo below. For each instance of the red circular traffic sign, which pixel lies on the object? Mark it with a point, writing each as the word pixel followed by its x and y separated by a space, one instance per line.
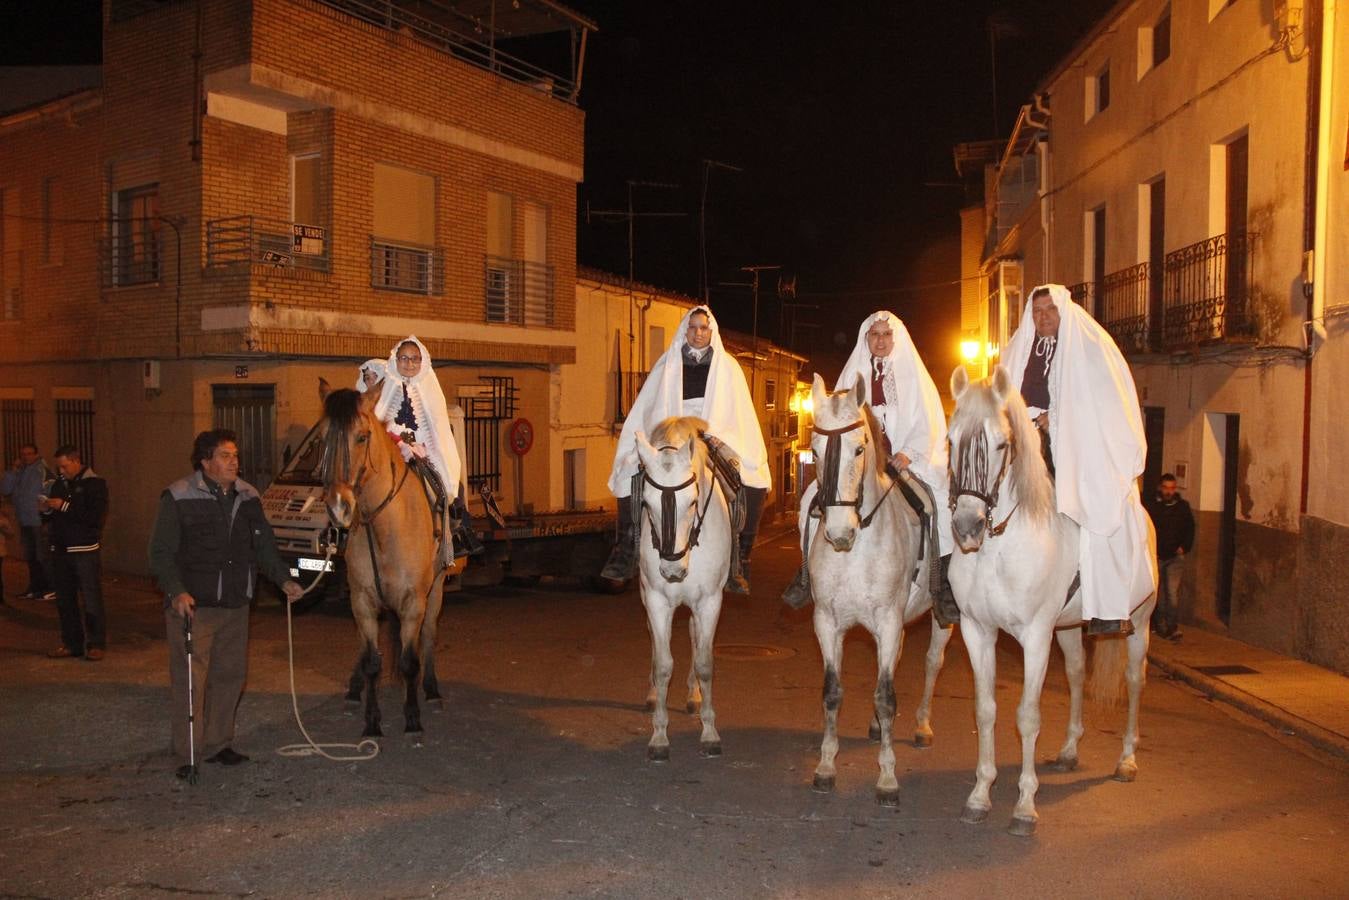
pixel 521 436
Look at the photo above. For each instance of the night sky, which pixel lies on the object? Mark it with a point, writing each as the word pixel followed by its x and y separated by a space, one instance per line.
pixel 842 117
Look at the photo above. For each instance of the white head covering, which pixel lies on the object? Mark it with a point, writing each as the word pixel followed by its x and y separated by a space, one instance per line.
pixel 371 365
pixel 1095 426
pixel 913 417
pixel 428 405
pixel 727 408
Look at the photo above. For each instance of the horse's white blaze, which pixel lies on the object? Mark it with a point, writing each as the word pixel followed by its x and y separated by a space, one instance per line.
pixel 1017 582
pixel 694 580
pixel 864 576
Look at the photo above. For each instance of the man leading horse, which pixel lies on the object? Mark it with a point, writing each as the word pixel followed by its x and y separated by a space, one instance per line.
pixel 696 377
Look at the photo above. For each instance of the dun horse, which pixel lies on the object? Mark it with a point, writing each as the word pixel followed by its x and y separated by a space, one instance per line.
pixel 863 573
pixel 685 554
pixel 1017 572
pixel 390 553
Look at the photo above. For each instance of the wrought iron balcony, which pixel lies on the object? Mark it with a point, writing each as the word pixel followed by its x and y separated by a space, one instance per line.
pixel 252 240
pixel 518 292
pixel 130 258
pixel 406 267
pixel 1207 292
pixel 1123 309
pixel 479 33
pixel 1084 295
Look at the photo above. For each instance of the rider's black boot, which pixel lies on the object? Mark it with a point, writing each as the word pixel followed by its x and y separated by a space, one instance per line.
pixel 737 578
pixel 622 563
pixel 798 595
pixel 465 535
pixel 944 607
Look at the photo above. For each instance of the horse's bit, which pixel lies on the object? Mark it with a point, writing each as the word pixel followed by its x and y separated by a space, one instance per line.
pixel 972 476
pixel 668 517
pixel 827 495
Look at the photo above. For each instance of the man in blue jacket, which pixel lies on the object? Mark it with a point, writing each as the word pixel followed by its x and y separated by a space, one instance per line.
pixel 76 509
pixel 24 484
pixel 210 542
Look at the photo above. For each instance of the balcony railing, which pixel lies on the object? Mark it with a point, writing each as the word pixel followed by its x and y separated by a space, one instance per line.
pixel 456 33
pixel 410 268
pixel 1084 295
pixel 251 240
pixel 131 259
pixel 1207 292
pixel 1123 308
pixel 518 292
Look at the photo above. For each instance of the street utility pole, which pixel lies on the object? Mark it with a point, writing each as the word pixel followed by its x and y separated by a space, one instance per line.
pixel 754 363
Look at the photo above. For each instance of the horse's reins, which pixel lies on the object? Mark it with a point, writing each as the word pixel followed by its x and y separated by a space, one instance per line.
pixel 827 495
pixel 668 515
pixel 971 478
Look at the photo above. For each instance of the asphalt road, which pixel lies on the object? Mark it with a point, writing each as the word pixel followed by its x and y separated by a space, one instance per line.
pixel 534 781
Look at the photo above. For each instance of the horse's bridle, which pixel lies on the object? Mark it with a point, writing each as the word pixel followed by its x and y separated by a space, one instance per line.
pixel 396 483
pixel 827 475
pixel 971 478
pixel 668 517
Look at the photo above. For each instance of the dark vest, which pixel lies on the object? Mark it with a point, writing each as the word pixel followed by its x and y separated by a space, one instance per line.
pixel 1035 379
pixel 695 374
pixel 216 554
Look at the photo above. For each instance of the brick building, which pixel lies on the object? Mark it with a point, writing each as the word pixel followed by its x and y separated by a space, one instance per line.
pixel 264 192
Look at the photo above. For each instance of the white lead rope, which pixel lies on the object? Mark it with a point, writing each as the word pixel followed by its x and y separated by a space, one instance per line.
pixel 366 749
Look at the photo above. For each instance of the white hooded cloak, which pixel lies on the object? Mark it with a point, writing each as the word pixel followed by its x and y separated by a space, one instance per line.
pixel 912 416
pixel 727 407
pixel 1096 436
pixel 428 406
pixel 371 365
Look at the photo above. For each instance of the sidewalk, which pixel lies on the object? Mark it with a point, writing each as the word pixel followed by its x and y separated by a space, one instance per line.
pixel 1297 697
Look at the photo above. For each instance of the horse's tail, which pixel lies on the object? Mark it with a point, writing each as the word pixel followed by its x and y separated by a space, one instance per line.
pixel 1109 659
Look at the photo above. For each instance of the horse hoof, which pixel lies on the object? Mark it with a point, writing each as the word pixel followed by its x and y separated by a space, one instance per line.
pixel 412 728
pixel 710 749
pixel 1021 826
pixel 973 816
pixel 658 754
pixel 1126 774
pixel 1061 764
pixel 823 784
pixel 887 796
pixel 352 700
pixel 372 731
pixel 874 732
pixel 922 741
pixel 437 704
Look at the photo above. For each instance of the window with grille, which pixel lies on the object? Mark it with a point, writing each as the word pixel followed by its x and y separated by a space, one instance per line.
pixel 75 426
pixel 770 394
pixel 16 421
pixel 136 238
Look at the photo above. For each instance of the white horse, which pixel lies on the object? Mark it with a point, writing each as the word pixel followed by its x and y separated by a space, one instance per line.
pixel 685 552
pixel 1017 571
pixel 863 573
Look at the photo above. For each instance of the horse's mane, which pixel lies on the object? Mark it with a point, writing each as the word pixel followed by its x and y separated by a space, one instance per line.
pixel 342 410
pixel 674 431
pixel 878 455
pixel 1028 474
pixel 341 407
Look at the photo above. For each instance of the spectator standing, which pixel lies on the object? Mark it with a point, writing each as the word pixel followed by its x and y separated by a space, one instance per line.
pixel 1174 520
pixel 76 509
pixel 210 539
pixel 25 485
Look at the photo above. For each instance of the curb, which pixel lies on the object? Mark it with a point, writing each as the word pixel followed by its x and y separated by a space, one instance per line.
pixel 1322 739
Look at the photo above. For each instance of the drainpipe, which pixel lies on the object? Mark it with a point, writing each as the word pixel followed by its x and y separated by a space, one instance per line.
pixel 1313 230
pixel 198 98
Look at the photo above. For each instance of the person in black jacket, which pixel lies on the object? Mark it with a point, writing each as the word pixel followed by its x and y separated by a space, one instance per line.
pixel 210 542
pixel 1174 521
pixel 75 510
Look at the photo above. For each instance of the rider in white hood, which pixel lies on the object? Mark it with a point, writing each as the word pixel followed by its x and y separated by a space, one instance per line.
pixel 695 376
pixel 1081 394
pixel 412 406
pixel 908 409
pixel 372 372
